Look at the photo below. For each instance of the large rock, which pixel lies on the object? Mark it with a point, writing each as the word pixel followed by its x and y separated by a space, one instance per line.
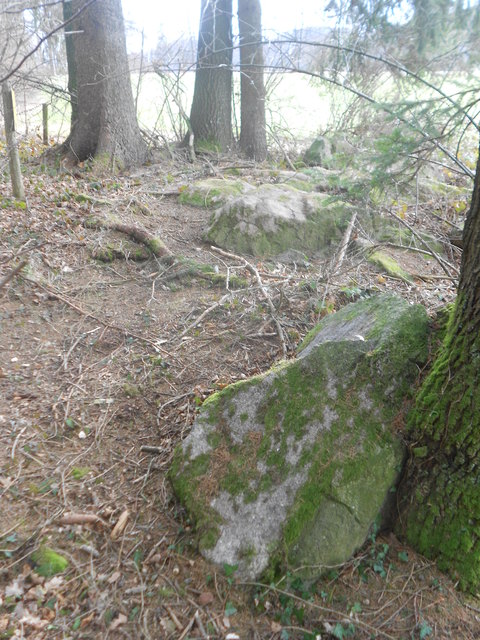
pixel 332 150
pixel 290 469
pixel 274 218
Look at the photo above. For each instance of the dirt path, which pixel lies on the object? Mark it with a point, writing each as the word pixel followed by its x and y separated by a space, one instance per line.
pixel 100 377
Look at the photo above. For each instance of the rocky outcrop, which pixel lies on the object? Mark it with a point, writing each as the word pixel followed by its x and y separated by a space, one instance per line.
pixel 292 468
pixel 274 218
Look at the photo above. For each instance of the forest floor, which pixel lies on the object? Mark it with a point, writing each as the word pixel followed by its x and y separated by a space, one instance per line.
pixel 102 368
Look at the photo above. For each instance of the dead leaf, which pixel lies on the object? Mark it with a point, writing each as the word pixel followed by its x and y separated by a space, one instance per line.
pixel 15 589
pixel 157 557
pixel 86 621
pixel 120 526
pixel 35 621
pixel 54 583
pixel 275 627
pixel 114 577
pixel 205 598
pixel 122 619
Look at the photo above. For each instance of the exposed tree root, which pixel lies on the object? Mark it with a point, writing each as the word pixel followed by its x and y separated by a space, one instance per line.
pixel 154 244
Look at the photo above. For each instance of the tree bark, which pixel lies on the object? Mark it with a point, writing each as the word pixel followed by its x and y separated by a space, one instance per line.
pixel 106 127
pixel 71 65
pixel 211 113
pixel 253 139
pixel 440 508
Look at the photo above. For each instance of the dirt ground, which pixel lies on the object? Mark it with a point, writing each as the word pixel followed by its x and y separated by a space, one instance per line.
pixel 102 368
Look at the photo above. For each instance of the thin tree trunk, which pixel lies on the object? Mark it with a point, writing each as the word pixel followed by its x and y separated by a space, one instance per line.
pixel 211 113
pixel 71 65
pixel 253 140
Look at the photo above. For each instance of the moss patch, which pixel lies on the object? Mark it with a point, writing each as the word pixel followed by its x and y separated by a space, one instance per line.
pixel 212 192
pixel 48 562
pixel 389 265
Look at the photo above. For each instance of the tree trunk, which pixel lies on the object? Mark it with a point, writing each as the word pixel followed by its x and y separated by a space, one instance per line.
pixel 211 114
pixel 106 126
pixel 441 495
pixel 71 66
pixel 253 139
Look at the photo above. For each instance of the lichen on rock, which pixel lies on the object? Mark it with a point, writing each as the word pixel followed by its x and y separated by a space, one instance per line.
pixel 274 218
pixel 289 470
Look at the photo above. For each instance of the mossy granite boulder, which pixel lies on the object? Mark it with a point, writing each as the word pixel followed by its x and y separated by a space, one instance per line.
pixel 274 218
pixel 289 470
pixel 213 192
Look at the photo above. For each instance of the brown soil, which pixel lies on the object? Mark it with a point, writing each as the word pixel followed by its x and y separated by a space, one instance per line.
pixel 97 387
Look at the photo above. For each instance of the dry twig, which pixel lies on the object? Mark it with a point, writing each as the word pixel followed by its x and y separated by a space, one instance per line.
pixel 254 271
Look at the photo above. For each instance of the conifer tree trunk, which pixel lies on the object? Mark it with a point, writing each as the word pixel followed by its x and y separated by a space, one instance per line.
pixel 441 494
pixel 253 138
pixel 106 126
pixel 71 66
pixel 211 113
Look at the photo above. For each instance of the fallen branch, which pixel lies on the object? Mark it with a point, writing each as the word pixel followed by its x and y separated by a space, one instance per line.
pixel 204 314
pixel 254 271
pixel 119 528
pixel 12 274
pixel 344 243
pixel 443 263
pixel 149 449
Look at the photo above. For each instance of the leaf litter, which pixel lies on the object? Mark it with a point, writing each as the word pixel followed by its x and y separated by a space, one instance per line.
pixel 96 390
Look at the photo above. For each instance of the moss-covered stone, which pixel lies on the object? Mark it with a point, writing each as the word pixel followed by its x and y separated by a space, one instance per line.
pixel 212 192
pixel 295 465
pixel 275 218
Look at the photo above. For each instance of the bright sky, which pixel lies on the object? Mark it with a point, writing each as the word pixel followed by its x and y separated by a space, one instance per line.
pixel 179 17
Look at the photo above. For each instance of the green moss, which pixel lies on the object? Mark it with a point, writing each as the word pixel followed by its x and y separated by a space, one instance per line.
pixel 214 439
pixel 157 247
pixel 328 388
pixel 78 473
pixel 131 390
pixel 48 562
pixel 389 265
pixel 323 228
pixel 185 480
pixel 212 192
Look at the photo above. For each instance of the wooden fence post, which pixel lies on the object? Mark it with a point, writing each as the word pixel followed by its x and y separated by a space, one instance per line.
pixel 45 123
pixel 14 158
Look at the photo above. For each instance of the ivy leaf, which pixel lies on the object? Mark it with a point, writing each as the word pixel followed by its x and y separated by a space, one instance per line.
pixel 230 609
pixel 230 569
pixel 403 556
pixel 425 630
